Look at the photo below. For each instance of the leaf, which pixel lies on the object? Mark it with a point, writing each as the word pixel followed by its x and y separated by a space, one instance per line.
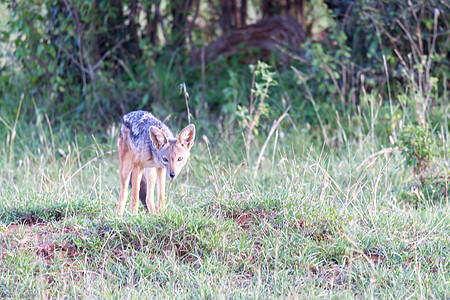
pixel 145 99
pixel 51 67
pixel 6 35
pixel 39 49
pixel 51 50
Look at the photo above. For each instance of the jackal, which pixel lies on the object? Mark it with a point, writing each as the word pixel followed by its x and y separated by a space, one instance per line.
pixel 148 147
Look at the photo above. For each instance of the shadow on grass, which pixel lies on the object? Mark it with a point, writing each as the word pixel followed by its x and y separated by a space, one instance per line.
pixel 156 235
pixel 30 214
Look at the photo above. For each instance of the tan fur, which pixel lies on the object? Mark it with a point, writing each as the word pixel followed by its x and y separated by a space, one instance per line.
pixel 136 158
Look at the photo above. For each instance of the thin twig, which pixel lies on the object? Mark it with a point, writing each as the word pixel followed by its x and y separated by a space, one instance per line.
pixel 252 95
pixel 411 40
pixel 257 115
pixel 13 132
pixel 373 157
pixel 186 98
pixel 272 130
pixel 428 65
pixel 202 57
pixel 107 53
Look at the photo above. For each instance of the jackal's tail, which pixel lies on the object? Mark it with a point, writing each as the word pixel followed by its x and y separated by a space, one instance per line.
pixel 142 191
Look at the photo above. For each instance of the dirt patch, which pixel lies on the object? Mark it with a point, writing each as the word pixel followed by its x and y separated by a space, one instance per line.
pixel 244 220
pixel 333 277
pixel 249 219
pixel 181 243
pixel 50 251
pixel 184 249
pixel 13 228
pixel 375 257
pixel 52 244
pixel 252 220
pixel 40 236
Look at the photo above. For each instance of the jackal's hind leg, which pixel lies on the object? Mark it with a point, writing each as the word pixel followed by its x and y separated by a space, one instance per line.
pixel 135 186
pixel 126 161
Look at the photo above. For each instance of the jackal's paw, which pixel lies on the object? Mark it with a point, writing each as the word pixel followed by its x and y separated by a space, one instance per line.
pixel 119 212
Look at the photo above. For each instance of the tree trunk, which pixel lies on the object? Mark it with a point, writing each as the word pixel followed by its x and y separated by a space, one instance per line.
pixel 180 10
pixel 133 45
pixel 152 23
pixel 243 13
pixel 226 17
pixel 300 11
pixel 267 8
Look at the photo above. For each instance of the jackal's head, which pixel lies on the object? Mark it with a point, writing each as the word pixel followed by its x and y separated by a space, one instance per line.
pixel 173 154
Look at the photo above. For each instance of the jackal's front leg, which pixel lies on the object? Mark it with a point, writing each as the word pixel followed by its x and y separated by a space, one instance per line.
pixel 135 186
pixel 161 178
pixel 150 175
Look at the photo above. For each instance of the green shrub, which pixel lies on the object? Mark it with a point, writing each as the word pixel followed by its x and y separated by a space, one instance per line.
pixel 418 146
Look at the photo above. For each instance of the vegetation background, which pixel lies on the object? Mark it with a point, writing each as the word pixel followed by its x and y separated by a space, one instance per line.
pixel 321 164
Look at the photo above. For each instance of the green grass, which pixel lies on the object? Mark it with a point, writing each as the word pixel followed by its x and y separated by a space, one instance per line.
pixel 322 222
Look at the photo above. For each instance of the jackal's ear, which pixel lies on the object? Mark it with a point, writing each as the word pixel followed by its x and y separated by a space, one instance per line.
pixel 187 136
pixel 158 137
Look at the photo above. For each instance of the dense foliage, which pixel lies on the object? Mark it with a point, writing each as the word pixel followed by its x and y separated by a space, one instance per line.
pixel 83 62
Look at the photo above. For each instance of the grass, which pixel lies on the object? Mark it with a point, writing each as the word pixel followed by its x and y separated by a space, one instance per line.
pixel 315 222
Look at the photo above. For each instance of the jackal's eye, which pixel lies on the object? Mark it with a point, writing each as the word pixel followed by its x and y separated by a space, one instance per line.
pixel 180 158
pixel 165 159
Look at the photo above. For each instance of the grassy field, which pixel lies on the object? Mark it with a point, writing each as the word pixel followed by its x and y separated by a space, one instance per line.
pixel 333 220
